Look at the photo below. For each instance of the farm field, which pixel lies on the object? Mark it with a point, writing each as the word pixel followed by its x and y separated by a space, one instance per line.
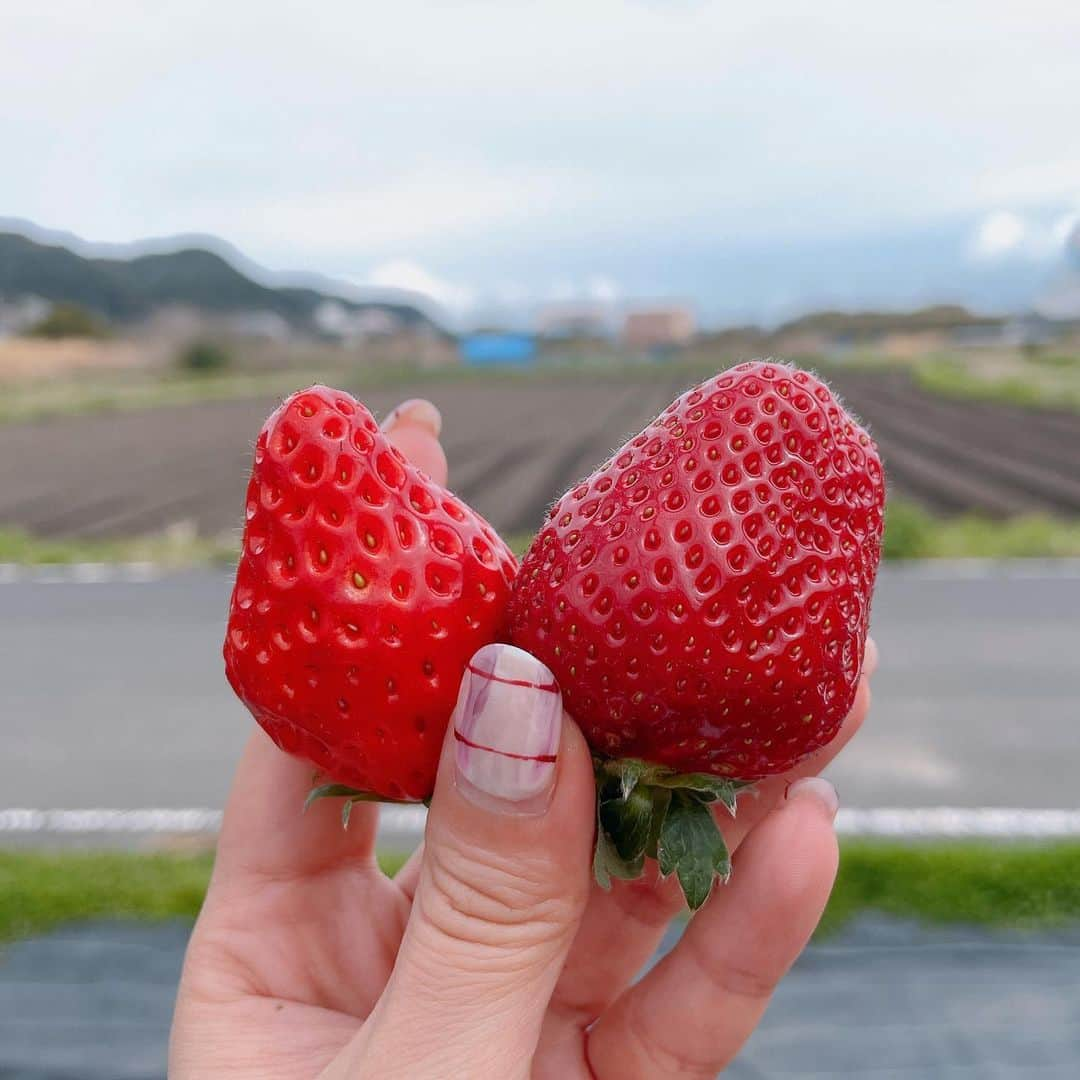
pixel 513 444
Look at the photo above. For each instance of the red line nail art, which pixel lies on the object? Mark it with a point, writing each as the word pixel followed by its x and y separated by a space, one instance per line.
pixel 550 688
pixel 546 758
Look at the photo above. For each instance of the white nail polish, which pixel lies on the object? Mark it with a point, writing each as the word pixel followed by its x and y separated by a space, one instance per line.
pixel 820 790
pixel 507 724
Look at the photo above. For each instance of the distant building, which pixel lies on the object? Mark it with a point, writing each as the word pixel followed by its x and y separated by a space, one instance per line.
pixel 1060 300
pixel 488 348
pixel 659 329
pixel 336 320
pixel 574 322
pixel 1033 330
pixel 18 316
pixel 262 325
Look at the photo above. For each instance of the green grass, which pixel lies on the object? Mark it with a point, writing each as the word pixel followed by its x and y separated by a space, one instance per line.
pixel 38 399
pixel 1050 381
pixel 23 400
pixel 912 533
pixel 39 891
pixel 1038 379
pixel 170 549
pixel 1016 885
pixel 1001 884
pixel 81 393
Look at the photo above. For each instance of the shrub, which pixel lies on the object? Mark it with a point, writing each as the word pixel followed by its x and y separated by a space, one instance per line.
pixel 908 531
pixel 69 321
pixel 204 357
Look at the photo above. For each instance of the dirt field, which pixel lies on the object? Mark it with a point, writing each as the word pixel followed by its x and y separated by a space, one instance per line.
pixel 513 446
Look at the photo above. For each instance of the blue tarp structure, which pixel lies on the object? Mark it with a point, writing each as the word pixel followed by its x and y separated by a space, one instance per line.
pixel 483 349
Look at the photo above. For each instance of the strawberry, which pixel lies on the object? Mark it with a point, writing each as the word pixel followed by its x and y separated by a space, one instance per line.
pixel 363 589
pixel 703 599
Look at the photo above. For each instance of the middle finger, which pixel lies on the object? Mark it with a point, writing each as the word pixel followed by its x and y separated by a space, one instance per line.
pixel 622 927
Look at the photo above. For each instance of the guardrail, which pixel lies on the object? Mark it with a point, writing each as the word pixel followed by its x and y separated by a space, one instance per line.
pixel 407 822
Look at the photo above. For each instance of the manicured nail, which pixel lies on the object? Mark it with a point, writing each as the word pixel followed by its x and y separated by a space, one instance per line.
pixel 507 724
pixel 870 658
pixel 415 411
pixel 819 789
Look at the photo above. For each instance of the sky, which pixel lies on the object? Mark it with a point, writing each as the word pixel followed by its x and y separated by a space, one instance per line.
pixel 753 160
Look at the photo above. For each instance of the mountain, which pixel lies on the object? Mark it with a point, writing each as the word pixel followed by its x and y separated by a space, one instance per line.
pixel 130 289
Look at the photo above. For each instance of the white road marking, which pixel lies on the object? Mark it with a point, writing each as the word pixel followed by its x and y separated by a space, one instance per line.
pixel 80 573
pixel 932 822
pixel 943 822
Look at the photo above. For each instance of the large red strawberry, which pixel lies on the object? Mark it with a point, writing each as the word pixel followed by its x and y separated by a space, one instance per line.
pixel 703 599
pixel 363 589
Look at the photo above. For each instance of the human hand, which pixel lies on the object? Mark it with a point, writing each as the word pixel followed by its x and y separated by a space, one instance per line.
pixel 492 953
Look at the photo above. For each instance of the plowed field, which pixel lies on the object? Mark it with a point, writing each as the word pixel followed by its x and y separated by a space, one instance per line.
pixel 513 446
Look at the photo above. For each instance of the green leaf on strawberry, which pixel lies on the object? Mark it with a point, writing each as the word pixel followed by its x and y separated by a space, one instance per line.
pixel 692 847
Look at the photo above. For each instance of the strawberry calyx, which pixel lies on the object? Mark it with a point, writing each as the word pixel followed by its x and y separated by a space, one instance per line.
pixel 352 796
pixel 647 810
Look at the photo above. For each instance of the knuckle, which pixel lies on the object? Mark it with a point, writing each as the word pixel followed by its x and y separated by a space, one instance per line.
pixel 646 1052
pixel 494 900
pixel 742 980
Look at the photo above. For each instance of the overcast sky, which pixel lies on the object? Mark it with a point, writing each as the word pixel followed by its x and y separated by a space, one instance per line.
pixel 755 158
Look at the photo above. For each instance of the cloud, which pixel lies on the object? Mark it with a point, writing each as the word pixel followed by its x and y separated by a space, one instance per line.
pixel 409 276
pixel 498 145
pixel 1066 231
pixel 998 234
pixel 1004 234
pixel 602 289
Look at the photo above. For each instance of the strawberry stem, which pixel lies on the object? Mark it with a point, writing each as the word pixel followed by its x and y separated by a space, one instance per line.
pixel 651 811
pixel 352 796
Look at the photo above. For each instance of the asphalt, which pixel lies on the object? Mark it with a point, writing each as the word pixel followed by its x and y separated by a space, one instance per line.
pixel 112 694
pixel 885 999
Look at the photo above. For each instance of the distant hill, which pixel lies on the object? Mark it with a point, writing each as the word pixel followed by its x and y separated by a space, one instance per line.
pixel 127 290
pixel 869 324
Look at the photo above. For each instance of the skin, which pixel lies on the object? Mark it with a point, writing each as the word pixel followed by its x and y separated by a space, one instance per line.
pixel 491 953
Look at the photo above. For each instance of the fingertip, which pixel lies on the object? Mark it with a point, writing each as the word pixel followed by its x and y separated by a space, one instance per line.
pixel 414 428
pixel 798 840
pixel 815 791
pixel 417 412
pixel 871 658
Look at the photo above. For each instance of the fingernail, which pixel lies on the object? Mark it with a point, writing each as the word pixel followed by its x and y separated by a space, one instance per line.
pixel 416 411
pixel 819 789
pixel 870 657
pixel 507 724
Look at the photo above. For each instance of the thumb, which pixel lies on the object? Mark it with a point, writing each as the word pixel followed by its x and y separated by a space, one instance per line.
pixel 503 884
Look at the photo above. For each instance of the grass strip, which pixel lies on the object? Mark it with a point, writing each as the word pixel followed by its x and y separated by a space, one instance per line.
pixel 913 533
pixel 1002 884
pixel 910 533
pixel 1020 885
pixel 1044 382
pixel 175 548
pixel 43 890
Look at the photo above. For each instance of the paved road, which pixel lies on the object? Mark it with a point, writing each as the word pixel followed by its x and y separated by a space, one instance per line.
pixel 885 999
pixel 113 694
